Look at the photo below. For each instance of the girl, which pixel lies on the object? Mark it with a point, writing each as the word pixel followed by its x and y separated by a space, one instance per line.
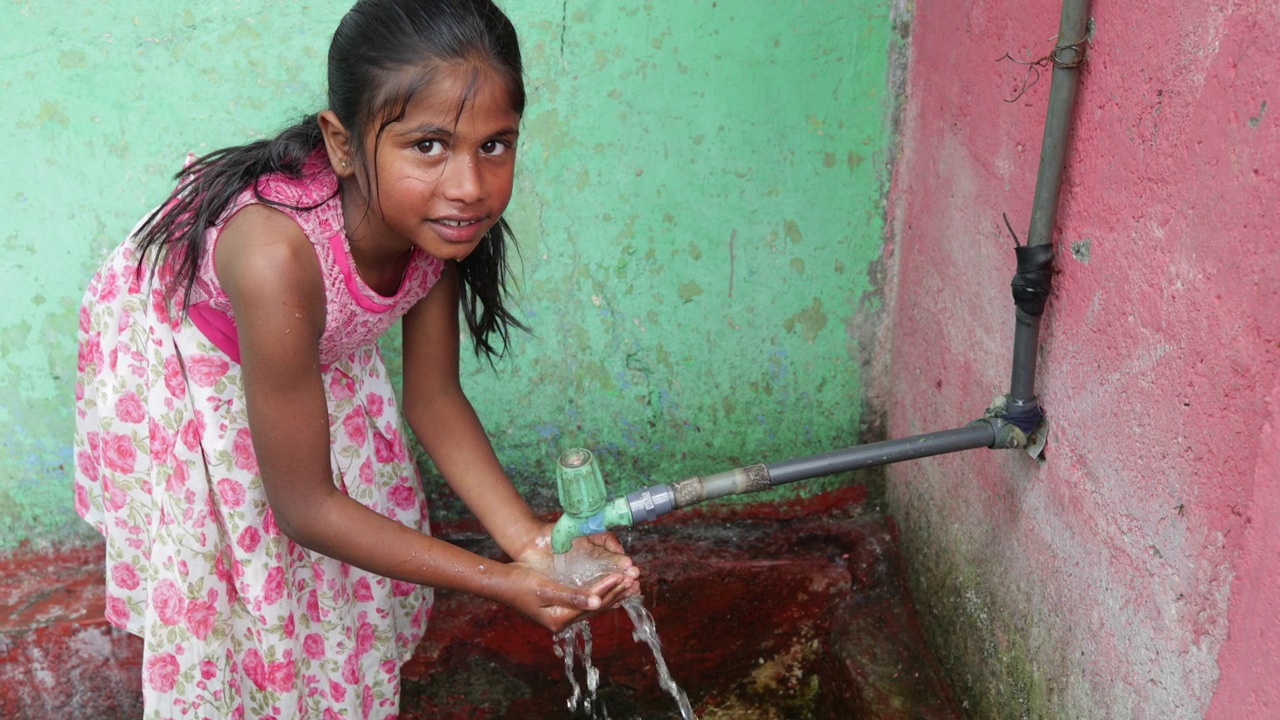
pixel 238 442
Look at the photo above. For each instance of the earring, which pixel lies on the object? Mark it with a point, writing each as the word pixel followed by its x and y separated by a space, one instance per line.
pixel 346 164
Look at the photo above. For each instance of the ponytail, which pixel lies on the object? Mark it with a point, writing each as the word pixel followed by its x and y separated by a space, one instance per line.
pixel 174 233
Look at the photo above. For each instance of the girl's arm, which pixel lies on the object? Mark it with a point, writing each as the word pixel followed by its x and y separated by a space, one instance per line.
pixel 270 273
pixel 446 424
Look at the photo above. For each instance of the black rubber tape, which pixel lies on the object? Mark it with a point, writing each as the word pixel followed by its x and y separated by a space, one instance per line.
pixel 1034 279
pixel 1026 419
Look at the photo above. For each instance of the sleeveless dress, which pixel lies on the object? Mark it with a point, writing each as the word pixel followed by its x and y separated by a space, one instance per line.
pixel 238 620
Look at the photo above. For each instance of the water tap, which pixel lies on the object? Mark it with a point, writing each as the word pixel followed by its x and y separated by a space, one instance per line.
pixel 587 508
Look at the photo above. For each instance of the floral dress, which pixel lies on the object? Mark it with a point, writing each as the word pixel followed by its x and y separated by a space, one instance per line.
pixel 238 620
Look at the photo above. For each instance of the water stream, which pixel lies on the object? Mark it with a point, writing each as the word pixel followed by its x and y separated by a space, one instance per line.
pixel 575 642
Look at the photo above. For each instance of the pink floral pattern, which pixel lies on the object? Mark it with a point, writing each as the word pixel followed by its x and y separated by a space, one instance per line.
pixel 239 621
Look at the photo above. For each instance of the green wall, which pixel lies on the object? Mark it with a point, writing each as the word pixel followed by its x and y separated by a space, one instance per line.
pixel 699 206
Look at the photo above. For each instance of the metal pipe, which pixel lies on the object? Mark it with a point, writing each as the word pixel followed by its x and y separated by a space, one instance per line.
pixel 970 437
pixel 1067 57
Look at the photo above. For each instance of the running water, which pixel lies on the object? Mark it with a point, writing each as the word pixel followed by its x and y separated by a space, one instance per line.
pixel 575 641
pixel 647 632
pixel 571 640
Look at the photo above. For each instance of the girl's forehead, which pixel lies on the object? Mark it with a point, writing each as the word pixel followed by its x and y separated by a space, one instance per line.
pixel 456 92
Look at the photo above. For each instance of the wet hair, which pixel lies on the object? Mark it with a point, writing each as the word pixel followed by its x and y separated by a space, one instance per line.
pixel 382 54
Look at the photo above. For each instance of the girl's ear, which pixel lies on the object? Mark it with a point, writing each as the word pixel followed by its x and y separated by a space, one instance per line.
pixel 337 143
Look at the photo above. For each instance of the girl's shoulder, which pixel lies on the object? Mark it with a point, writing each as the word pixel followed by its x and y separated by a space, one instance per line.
pixel 315 186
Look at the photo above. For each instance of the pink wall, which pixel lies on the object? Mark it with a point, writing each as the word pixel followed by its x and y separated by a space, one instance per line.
pixel 1135 573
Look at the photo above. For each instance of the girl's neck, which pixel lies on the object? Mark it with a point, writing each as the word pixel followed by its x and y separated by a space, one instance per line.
pixel 381 265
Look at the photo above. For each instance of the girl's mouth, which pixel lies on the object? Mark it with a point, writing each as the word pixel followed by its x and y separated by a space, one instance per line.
pixel 457 230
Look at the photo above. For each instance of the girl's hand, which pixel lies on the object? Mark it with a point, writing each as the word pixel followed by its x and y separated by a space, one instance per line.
pixel 592 577
pixel 556 606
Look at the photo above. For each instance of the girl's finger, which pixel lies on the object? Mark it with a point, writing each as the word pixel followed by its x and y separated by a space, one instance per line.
pixel 608 541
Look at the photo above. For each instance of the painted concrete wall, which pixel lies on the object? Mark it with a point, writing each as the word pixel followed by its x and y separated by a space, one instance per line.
pixel 1134 572
pixel 699 203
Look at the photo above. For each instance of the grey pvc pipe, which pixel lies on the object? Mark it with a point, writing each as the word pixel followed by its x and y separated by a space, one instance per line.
pixel 970 437
pixel 1072 29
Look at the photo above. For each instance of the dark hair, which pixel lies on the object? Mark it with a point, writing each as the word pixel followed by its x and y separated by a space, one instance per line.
pixel 375 43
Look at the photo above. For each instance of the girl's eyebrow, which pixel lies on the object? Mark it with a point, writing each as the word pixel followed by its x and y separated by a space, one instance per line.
pixel 444 132
pixel 422 130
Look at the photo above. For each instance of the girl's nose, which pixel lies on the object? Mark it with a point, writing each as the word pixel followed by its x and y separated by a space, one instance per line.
pixel 461 181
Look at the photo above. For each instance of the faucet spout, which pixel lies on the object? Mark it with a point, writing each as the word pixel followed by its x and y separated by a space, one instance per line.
pixel 616 513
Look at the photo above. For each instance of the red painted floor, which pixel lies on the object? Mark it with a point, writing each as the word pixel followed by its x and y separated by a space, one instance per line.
pixel 795 611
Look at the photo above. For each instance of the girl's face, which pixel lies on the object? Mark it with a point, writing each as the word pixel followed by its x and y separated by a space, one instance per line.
pixel 442 179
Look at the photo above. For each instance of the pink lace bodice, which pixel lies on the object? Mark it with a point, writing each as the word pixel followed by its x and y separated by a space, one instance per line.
pixel 355 315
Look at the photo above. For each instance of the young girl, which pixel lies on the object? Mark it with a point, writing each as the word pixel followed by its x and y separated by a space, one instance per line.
pixel 238 441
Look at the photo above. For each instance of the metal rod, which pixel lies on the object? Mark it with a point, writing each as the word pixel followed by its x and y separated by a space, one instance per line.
pixel 1068 54
pixel 970 437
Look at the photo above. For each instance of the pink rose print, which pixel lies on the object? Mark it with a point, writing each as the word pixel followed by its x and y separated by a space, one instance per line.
pixel 169 602
pixel 242 450
pixel 341 387
pixel 84 318
pixel 113 498
pixel 281 674
pixel 208 669
pixel 273 588
pixel 355 427
pixel 231 492
pixel 88 465
pixel 202 615
pixel 397 442
pixel 118 452
pixel 403 496
pixel 269 526
pixel 160 306
pixel 277 676
pixel 177 479
pixel 109 287
pixel 249 538
pixel 162 442
pixel 162 672
pixel 82 500
pixel 255 668
pixel 117 611
pixel 129 408
pixel 173 380
pixel 382 449
pixel 366 471
pixel 350 672
pixel 400 588
pixel 207 370
pixel 363 591
pixel 124 575
pixel 366 700
pixel 364 638
pixel 191 432
pixel 90 352
pixel 313 646
pixel 375 405
pixel 337 691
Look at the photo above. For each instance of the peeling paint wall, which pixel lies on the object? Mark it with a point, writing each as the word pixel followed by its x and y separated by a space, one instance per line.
pixel 699 205
pixel 1133 573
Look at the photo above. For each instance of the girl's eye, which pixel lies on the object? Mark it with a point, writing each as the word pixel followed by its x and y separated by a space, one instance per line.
pixel 430 148
pixel 495 147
